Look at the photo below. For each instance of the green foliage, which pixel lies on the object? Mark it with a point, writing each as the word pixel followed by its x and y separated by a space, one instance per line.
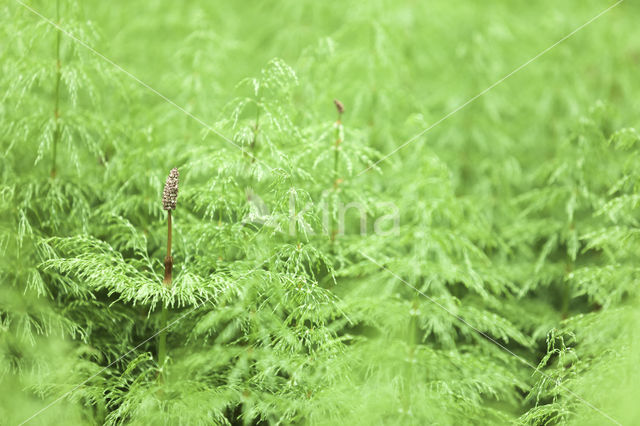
pixel 484 274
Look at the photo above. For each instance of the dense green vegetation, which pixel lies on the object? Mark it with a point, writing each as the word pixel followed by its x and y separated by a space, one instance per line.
pixel 485 273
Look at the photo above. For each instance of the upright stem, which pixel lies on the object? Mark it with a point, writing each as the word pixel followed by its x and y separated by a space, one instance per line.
pixel 412 343
pixel 565 297
pixel 566 291
pixel 255 134
pixel 336 157
pixel 168 269
pixel 336 167
pixel 162 343
pixel 56 112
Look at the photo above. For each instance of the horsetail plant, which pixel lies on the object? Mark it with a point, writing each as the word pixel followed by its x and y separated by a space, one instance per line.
pixel 518 216
pixel 169 202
